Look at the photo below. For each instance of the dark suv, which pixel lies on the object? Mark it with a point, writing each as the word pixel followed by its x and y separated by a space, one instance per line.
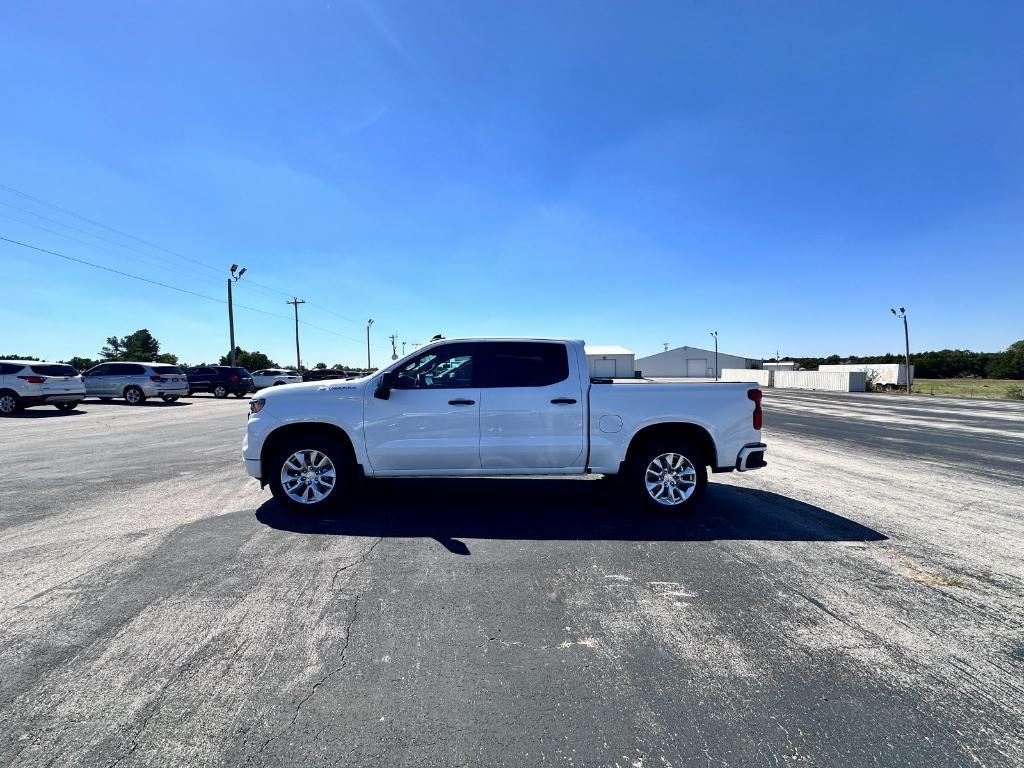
pixel 221 380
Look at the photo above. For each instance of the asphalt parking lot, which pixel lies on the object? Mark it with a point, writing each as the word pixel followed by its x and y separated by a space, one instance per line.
pixel 859 602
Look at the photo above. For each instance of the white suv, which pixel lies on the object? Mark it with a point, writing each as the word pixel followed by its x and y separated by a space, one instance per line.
pixel 274 377
pixel 24 383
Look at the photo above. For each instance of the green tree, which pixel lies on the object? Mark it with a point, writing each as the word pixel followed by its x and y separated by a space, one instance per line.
pixel 114 349
pixel 320 366
pixel 252 361
pixel 1008 364
pixel 142 346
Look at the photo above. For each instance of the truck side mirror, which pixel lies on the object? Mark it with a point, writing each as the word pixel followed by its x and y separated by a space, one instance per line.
pixel 384 386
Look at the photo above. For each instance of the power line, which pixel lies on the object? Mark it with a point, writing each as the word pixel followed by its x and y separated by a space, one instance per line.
pixel 95 223
pixel 204 265
pixel 168 286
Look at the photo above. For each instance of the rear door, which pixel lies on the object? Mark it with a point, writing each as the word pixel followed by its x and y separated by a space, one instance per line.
pixel 531 407
pixel 199 379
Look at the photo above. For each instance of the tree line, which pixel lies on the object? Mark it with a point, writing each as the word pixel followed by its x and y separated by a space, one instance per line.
pixel 143 347
pixel 941 364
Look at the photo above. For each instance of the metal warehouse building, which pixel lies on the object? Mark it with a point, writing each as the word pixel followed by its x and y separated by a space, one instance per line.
pixel 695 362
pixel 610 362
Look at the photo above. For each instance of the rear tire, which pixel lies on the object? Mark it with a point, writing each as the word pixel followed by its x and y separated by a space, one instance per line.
pixel 240 394
pixel 669 476
pixel 65 407
pixel 311 474
pixel 220 391
pixel 134 395
pixel 10 403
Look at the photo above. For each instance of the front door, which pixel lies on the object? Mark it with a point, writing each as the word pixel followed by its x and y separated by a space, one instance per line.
pixel 531 414
pixel 97 381
pixel 431 421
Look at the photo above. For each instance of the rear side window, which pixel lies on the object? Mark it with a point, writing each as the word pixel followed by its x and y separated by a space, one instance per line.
pixel 526 364
pixel 240 371
pixel 6 368
pixel 54 370
pixel 126 369
pixel 166 370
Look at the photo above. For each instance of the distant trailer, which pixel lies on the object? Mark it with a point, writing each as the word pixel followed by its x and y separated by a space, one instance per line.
pixel 825 381
pixel 887 376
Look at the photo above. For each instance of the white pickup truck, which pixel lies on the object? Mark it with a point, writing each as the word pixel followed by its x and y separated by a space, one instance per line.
pixel 500 407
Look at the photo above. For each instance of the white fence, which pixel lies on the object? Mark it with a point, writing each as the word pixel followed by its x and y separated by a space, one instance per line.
pixel 829 381
pixel 764 378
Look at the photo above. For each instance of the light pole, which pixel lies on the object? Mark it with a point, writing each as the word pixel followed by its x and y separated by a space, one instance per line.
pixel 298 357
pixel 368 324
pixel 231 308
pixel 902 314
pixel 715 335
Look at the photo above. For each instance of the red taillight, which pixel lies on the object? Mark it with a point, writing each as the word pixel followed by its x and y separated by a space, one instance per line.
pixel 33 379
pixel 756 395
pixel 233 377
pixel 157 378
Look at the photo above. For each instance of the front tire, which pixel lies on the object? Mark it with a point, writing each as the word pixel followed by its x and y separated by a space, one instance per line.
pixel 10 404
pixel 220 391
pixel 668 476
pixel 134 395
pixel 310 474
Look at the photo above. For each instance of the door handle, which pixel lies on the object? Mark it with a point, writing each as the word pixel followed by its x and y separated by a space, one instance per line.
pixel 462 402
pixel 563 401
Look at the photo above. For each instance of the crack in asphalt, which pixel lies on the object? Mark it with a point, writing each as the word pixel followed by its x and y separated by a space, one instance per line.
pixel 333 672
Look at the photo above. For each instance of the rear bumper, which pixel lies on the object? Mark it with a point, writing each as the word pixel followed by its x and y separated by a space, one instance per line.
pixel 751 457
pixel 64 397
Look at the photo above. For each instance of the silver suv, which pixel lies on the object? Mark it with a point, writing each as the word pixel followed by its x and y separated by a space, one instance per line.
pixel 24 383
pixel 135 382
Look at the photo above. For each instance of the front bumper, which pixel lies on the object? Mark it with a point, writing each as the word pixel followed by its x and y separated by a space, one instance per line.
pixel 751 457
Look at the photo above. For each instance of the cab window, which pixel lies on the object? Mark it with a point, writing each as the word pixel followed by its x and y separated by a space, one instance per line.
pixel 447 367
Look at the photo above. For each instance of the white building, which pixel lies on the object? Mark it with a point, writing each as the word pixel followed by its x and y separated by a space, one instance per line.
pixel 610 362
pixel 695 362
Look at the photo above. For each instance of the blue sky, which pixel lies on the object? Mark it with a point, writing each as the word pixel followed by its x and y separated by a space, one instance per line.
pixel 627 173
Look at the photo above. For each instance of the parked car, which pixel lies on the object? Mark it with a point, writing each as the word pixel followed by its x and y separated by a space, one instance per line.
pixel 220 380
pixel 482 407
pixel 135 382
pixel 274 377
pixel 322 374
pixel 25 383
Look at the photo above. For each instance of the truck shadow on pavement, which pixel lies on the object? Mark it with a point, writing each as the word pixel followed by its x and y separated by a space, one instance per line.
pixel 449 510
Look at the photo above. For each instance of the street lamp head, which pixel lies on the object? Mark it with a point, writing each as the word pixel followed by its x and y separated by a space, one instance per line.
pixel 241 272
pixel 892 310
pixel 903 310
pixel 234 268
pixel 369 323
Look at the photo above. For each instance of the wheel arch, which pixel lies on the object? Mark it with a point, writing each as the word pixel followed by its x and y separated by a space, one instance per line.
pixel 675 430
pixel 288 431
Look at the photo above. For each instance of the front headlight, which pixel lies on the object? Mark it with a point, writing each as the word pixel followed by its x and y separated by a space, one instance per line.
pixel 256 404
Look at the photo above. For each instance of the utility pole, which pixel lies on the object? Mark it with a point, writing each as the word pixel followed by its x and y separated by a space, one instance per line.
pixel 902 314
pixel 403 349
pixel 298 357
pixel 666 345
pixel 394 351
pixel 715 335
pixel 231 307
pixel 368 324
